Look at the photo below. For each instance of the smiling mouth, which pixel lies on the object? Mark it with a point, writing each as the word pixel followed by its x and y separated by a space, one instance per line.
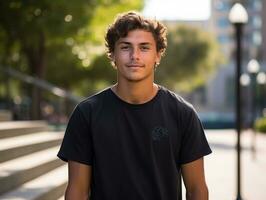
pixel 134 66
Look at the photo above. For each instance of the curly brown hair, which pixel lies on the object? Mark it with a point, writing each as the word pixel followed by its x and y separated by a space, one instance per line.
pixel 129 21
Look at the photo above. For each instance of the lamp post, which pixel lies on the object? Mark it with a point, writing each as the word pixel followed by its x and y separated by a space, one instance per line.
pixel 245 82
pixel 261 80
pixel 253 68
pixel 238 17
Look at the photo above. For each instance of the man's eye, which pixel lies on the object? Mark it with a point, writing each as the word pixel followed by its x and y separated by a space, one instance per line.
pixel 145 48
pixel 125 47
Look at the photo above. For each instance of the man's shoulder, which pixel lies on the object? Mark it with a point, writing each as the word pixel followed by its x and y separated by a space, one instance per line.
pixel 176 99
pixel 94 99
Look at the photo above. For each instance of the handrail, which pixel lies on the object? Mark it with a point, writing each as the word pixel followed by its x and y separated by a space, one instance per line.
pixel 42 84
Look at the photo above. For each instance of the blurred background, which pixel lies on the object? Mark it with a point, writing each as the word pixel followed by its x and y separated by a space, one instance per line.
pixel 52 56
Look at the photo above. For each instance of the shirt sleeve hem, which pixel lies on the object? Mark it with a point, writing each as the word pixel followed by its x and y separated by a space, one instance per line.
pixel 66 159
pixel 196 157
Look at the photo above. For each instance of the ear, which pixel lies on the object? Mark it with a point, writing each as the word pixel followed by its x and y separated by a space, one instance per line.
pixel 158 57
pixel 112 58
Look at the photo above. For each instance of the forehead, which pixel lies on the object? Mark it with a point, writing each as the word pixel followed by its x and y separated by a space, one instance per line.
pixel 138 36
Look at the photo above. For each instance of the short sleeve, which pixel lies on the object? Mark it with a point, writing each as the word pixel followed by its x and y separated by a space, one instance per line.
pixel 77 141
pixel 194 144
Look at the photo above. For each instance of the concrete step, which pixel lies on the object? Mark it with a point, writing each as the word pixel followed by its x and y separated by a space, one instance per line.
pixel 49 186
pixel 16 128
pixel 18 171
pixel 29 167
pixel 54 193
pixel 15 147
pixel 24 140
pixel 5 115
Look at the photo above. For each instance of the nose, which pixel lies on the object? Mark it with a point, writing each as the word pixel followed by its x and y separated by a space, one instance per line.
pixel 135 53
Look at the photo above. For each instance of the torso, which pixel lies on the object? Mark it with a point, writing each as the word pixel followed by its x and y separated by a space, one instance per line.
pixel 137 147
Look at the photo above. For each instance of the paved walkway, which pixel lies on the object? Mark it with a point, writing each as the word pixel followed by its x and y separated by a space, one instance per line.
pixel 220 166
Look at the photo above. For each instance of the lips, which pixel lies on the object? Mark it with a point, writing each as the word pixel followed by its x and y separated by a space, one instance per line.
pixel 134 65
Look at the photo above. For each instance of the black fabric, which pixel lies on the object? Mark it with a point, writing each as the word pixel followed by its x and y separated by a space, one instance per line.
pixel 135 150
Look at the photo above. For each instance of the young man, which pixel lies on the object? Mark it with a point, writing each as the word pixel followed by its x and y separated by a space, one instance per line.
pixel 132 141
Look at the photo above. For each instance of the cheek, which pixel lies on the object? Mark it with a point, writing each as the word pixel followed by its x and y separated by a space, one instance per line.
pixel 120 57
pixel 153 59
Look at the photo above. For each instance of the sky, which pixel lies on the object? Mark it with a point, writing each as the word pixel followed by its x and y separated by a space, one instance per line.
pixel 178 9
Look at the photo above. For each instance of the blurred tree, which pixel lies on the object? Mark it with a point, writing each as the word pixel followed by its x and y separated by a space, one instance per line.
pixel 31 30
pixel 191 57
pixel 80 64
pixel 34 25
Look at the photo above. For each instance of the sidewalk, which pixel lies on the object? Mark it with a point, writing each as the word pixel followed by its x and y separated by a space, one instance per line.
pixel 220 166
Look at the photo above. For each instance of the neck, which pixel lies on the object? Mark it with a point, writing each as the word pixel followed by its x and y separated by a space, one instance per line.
pixel 135 93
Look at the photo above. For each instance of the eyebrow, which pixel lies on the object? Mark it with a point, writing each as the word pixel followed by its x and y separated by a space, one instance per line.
pixel 128 43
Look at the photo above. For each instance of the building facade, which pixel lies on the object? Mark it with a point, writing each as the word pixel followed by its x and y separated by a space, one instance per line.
pixel 220 89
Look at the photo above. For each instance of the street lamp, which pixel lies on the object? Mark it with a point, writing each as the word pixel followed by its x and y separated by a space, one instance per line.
pixel 238 17
pixel 253 68
pixel 261 80
pixel 245 82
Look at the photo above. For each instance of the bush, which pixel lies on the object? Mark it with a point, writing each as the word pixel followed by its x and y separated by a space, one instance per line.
pixel 260 125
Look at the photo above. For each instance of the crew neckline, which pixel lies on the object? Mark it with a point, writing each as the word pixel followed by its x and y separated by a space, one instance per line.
pixel 156 96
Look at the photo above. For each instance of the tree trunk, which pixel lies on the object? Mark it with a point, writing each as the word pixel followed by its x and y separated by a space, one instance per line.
pixel 36 60
pixel 6 78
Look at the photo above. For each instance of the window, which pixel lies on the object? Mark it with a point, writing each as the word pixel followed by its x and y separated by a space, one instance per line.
pixel 223 39
pixel 223 22
pixel 257 5
pixel 256 38
pixel 257 23
pixel 222 6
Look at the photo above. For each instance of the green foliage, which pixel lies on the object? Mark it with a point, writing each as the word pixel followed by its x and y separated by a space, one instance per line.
pixel 191 57
pixel 105 14
pixel 80 63
pixel 30 27
pixel 57 19
pixel 67 71
pixel 66 40
pixel 57 40
pixel 260 125
pixel 102 70
pixel 63 68
pixel 100 75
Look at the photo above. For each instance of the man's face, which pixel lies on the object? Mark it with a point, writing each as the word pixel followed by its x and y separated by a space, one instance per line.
pixel 135 56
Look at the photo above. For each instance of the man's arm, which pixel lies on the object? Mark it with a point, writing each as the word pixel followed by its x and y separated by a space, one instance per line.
pixel 79 181
pixel 194 180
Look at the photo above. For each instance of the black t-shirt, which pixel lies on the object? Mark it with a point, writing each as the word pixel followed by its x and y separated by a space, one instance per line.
pixel 135 150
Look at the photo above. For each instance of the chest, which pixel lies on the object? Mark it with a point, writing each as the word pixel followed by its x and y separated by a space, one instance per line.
pixel 146 132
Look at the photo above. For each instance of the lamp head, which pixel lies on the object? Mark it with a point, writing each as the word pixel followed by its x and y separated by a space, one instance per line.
pixel 238 14
pixel 244 80
pixel 261 78
pixel 253 66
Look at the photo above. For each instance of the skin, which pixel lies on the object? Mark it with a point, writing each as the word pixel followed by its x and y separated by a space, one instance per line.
pixel 79 181
pixel 194 180
pixel 135 56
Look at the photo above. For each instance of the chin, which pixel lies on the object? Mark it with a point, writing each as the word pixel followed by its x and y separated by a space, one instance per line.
pixel 136 79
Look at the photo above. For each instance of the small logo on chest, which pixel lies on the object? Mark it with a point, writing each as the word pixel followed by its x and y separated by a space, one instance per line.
pixel 159 133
